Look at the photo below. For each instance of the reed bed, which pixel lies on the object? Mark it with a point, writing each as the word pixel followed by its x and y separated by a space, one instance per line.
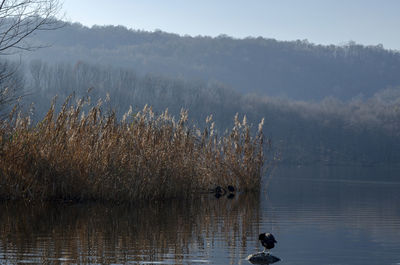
pixel 73 155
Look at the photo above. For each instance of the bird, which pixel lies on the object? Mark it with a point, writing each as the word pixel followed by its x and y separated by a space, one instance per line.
pixel 231 188
pixel 267 240
pixel 219 191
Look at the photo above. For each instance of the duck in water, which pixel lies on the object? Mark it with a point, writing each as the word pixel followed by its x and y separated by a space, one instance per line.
pixel 231 191
pixel 221 191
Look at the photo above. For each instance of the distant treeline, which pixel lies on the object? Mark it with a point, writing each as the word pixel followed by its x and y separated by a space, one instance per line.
pixel 294 69
pixel 361 131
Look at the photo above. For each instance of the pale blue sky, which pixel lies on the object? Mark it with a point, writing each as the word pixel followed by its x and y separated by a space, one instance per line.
pixel 320 21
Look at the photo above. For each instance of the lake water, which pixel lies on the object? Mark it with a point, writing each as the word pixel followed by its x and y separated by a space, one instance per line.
pixel 319 215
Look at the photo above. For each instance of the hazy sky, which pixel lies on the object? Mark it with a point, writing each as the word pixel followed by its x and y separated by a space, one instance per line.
pixel 319 21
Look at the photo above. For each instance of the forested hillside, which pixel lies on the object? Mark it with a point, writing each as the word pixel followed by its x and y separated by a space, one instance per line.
pixel 331 131
pixel 295 70
pixel 330 104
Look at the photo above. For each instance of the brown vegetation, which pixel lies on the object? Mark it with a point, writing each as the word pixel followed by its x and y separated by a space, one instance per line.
pixel 76 156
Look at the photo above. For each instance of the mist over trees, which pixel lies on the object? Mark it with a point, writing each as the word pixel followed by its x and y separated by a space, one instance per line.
pixel 330 104
pixel 11 85
pixel 330 131
pixel 20 19
pixel 293 69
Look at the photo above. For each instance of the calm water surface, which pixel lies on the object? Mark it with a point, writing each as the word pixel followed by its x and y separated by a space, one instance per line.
pixel 319 215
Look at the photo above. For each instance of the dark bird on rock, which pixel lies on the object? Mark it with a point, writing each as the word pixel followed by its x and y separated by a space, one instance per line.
pixel 267 240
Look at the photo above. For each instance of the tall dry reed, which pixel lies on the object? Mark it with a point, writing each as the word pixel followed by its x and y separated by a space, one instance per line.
pixel 93 156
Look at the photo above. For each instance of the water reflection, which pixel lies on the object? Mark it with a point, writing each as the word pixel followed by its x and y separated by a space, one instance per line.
pixel 329 215
pixel 172 232
pixel 334 215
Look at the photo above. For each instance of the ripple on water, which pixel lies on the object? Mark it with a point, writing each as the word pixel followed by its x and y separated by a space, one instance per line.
pixel 315 222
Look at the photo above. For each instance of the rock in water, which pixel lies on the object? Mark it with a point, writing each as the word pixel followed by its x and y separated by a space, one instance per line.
pixel 262 258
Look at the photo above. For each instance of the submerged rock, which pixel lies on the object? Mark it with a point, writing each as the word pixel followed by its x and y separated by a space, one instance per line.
pixel 262 258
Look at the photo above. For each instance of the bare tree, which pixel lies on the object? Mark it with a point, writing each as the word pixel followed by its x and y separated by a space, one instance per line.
pixel 20 19
pixel 11 83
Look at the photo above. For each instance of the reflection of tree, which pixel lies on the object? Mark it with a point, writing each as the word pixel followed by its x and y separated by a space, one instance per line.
pixel 97 233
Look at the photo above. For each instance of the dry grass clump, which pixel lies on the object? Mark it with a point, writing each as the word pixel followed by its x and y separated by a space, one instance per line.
pixel 92 156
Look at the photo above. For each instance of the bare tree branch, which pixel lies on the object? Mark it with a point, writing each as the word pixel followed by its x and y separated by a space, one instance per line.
pixel 18 20
pixel 22 18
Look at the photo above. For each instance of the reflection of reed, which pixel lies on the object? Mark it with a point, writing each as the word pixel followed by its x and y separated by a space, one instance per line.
pixel 97 233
